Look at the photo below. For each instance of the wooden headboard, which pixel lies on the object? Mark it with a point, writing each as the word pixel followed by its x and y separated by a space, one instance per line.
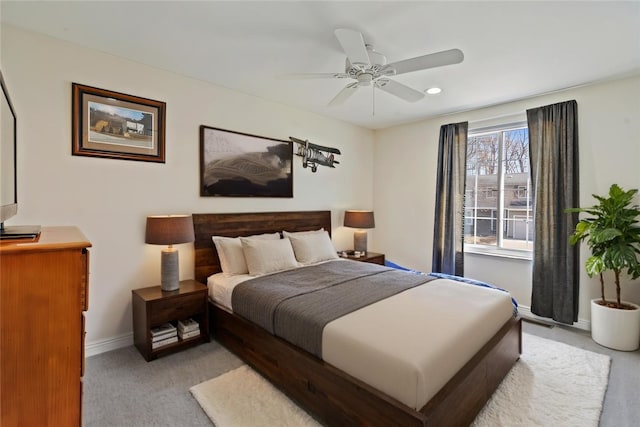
pixel 246 224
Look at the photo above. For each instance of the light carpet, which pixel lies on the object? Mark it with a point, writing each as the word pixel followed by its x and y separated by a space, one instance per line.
pixel 553 384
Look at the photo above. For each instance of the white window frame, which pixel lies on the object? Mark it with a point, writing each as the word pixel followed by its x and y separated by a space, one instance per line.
pixel 498 250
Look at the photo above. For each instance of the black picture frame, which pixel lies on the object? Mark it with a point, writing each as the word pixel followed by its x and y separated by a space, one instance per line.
pixel 116 125
pixel 236 164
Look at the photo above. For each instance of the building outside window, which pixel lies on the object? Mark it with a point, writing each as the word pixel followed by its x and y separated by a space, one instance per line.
pixel 498 196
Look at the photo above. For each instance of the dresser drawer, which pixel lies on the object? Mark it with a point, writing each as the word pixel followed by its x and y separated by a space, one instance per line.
pixel 176 308
pixel 84 281
pixel 83 335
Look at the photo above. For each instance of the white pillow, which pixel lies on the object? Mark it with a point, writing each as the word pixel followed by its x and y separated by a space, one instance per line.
pixel 231 255
pixel 268 256
pixel 301 233
pixel 312 248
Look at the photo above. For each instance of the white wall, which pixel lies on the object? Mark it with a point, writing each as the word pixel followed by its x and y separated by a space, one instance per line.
pixel 110 199
pixel 405 179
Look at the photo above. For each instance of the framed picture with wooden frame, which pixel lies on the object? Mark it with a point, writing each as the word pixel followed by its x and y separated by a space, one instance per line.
pixel 235 164
pixel 116 125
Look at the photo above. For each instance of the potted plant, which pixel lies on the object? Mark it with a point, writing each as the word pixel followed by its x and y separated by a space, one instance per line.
pixel 612 233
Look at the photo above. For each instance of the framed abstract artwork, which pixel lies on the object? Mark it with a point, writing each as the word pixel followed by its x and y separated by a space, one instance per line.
pixel 118 126
pixel 235 164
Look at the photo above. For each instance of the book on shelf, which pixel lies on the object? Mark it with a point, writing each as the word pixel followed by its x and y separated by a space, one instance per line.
pixel 163 329
pixel 158 344
pixel 163 336
pixel 163 332
pixel 190 334
pixel 188 325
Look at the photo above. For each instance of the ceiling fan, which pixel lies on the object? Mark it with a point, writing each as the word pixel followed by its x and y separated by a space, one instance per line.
pixel 369 68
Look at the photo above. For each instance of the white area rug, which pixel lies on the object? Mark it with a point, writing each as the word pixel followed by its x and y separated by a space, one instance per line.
pixel 242 398
pixel 553 384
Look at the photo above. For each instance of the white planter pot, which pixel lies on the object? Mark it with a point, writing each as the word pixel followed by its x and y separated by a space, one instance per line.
pixel 614 328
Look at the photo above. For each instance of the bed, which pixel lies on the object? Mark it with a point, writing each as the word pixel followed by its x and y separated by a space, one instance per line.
pixel 330 394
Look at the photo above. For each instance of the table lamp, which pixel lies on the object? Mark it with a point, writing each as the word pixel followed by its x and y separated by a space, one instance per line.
pixel 360 220
pixel 169 230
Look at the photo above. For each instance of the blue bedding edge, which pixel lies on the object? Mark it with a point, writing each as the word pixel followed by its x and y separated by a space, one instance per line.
pixel 457 279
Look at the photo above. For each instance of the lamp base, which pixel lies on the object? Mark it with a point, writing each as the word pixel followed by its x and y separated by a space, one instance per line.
pixel 170 277
pixel 360 241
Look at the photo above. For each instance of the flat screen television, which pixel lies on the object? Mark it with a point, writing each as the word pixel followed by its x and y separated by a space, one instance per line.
pixel 9 172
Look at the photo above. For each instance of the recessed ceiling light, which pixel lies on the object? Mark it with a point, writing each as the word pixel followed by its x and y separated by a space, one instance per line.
pixel 433 90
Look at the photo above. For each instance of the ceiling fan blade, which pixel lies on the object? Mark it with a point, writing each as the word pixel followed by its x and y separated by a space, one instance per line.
pixel 344 94
pixel 304 76
pixel 432 60
pixel 399 90
pixel 353 45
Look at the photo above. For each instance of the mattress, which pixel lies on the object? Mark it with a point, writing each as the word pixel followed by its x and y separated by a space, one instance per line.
pixel 408 345
pixel 221 287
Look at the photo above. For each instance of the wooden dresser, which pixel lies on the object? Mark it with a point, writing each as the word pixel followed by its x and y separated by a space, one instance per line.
pixel 44 287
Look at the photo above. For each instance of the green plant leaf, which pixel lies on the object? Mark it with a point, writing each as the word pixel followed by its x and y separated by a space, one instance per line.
pixel 594 266
pixel 612 232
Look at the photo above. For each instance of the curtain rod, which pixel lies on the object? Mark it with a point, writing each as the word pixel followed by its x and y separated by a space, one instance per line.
pixel 520 116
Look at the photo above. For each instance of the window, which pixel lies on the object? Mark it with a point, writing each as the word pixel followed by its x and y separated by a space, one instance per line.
pixel 498 197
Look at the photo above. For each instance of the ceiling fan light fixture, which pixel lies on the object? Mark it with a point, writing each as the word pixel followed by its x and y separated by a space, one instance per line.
pixel 433 90
pixel 365 78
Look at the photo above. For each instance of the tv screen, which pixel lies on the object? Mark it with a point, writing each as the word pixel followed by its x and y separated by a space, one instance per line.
pixel 8 171
pixel 8 175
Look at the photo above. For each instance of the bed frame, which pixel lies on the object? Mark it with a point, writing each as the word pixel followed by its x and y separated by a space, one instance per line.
pixel 330 395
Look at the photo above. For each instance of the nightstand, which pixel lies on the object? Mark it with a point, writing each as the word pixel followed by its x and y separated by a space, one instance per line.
pixel 372 257
pixel 153 307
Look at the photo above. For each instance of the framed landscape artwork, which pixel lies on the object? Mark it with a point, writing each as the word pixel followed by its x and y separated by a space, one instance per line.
pixel 235 164
pixel 115 125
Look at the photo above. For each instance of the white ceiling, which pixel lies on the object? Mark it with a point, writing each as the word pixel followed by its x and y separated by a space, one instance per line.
pixel 512 50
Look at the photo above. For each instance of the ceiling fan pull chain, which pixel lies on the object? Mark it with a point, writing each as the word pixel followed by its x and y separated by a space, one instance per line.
pixel 373 104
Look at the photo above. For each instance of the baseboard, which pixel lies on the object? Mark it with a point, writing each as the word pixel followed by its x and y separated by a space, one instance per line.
pixel 526 313
pixel 102 346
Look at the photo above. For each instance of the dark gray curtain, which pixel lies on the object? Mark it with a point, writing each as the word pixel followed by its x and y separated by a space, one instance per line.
pixel 448 231
pixel 553 150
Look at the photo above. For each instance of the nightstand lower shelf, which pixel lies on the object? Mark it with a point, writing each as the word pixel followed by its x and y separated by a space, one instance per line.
pixel 152 308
